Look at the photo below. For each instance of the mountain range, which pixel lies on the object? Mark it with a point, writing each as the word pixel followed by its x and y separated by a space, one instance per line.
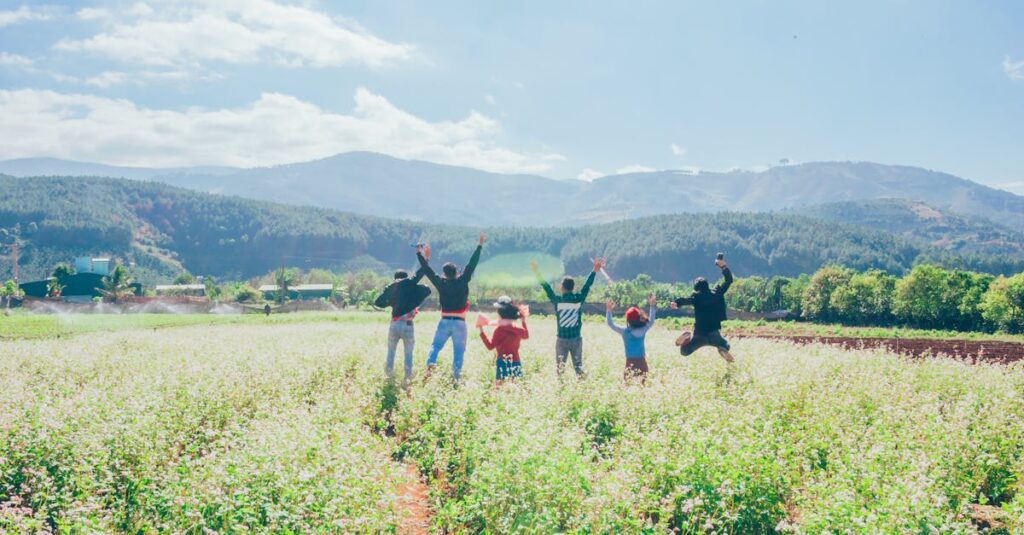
pixel 383 186
pixel 162 230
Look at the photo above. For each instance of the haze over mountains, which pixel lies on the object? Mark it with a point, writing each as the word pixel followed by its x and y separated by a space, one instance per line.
pixel 375 184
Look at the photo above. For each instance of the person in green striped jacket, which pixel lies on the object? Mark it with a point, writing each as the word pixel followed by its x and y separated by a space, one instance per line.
pixel 569 313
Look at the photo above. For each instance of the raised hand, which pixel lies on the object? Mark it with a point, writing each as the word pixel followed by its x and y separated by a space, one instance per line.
pixel 720 263
pixel 598 263
pixel 652 300
pixel 426 251
pixel 482 239
pixel 609 305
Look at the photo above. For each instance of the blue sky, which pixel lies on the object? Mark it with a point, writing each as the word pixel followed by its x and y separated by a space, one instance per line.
pixel 564 89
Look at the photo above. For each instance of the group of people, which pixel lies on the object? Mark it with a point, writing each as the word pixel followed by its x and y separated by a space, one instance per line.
pixel 405 295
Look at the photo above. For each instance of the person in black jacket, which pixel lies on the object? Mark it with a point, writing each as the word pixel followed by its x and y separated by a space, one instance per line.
pixel 403 296
pixel 453 294
pixel 709 313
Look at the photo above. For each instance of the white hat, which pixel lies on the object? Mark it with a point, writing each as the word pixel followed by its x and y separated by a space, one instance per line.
pixel 503 301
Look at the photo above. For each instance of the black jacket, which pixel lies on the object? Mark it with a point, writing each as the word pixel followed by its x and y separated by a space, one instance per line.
pixel 452 293
pixel 709 306
pixel 403 295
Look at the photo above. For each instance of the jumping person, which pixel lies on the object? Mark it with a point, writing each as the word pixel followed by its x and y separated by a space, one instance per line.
pixel 709 313
pixel 637 325
pixel 506 340
pixel 453 294
pixel 569 313
pixel 403 295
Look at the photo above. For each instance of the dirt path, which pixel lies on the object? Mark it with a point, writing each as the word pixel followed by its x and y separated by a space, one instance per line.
pixel 413 504
pixel 974 351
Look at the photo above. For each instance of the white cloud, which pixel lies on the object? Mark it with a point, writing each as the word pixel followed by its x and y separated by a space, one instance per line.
pixel 677 150
pixel 1013 69
pixel 107 79
pixel 490 99
pixel 14 60
pixel 275 129
pixel 635 168
pixel 92 13
pixel 138 79
pixel 22 14
pixel 140 9
pixel 589 175
pixel 194 32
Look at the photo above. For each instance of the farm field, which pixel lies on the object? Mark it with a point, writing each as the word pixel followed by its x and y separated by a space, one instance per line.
pixel 284 424
pixel 513 269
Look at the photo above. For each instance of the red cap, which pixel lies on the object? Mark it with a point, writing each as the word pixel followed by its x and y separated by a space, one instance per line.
pixel 632 314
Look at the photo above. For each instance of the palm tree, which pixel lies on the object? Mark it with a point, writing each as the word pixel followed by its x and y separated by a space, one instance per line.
pixel 284 278
pixel 118 284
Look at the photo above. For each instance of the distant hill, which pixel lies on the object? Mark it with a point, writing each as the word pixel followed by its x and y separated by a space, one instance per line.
pixel 940 227
pixel 23 167
pixel 164 229
pixel 379 185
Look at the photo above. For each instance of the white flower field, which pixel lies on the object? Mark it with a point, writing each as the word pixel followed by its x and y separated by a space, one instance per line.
pixel 290 427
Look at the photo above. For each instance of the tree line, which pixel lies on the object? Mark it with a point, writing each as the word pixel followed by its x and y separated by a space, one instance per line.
pixel 928 297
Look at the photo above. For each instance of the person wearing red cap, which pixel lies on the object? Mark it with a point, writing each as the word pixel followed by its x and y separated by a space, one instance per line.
pixel 637 325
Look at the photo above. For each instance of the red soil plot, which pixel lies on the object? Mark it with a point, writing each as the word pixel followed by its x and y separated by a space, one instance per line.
pixel 974 351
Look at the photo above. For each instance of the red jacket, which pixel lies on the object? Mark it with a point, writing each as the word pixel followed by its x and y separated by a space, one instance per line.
pixel 506 340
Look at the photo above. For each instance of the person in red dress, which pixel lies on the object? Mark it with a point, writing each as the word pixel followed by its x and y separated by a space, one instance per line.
pixel 506 339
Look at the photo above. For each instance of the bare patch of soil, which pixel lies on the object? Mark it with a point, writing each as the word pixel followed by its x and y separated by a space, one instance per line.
pixel 413 504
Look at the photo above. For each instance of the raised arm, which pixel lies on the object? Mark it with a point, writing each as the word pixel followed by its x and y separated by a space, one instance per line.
pixel 543 283
pixel 587 284
pixel 526 330
pixel 608 318
pixel 726 282
pixel 467 273
pixel 489 344
pixel 683 301
pixel 425 269
pixel 598 265
pixel 652 311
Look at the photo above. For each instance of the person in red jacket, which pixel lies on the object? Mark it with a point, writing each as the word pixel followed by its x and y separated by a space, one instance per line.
pixel 506 340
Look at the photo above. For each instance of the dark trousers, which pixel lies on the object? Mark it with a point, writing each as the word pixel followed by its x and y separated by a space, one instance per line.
pixel 697 341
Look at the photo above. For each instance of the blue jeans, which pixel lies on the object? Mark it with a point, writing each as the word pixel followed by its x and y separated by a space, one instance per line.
pixel 400 330
pixel 456 330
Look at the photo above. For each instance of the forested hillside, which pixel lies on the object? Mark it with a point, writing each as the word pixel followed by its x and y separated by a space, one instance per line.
pixel 165 230
pixel 940 227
